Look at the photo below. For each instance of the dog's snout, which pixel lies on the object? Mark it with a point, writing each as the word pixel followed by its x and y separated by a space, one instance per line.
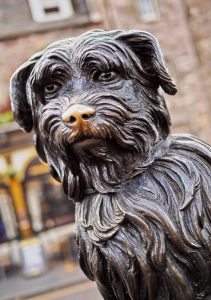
pixel 77 114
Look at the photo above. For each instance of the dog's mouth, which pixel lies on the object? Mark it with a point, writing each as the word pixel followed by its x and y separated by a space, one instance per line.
pixel 85 142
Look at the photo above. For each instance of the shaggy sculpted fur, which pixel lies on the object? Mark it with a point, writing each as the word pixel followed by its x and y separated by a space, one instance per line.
pixel 142 196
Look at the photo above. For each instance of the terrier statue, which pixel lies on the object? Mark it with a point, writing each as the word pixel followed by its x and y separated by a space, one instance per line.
pixel 142 195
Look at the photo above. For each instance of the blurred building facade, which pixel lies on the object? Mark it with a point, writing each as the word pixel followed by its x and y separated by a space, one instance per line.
pixel 36 218
pixel 27 26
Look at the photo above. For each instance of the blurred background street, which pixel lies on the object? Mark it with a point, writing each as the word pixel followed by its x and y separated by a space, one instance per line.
pixel 38 252
pixel 57 283
pixel 78 292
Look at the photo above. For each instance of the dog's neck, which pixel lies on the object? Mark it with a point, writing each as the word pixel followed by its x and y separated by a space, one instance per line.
pixel 130 171
pixel 161 147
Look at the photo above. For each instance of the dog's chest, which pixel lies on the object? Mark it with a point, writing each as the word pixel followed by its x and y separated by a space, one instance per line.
pixel 100 215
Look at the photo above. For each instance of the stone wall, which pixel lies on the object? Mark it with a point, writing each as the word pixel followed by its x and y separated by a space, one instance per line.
pixel 182 37
pixel 199 18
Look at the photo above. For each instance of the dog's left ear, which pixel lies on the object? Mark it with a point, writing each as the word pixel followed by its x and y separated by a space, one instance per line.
pixel 18 93
pixel 147 49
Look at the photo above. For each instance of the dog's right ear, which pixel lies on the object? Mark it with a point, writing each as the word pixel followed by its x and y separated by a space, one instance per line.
pixel 146 47
pixel 18 93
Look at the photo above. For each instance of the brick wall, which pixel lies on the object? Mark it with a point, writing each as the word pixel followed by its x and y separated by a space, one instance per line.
pixel 199 18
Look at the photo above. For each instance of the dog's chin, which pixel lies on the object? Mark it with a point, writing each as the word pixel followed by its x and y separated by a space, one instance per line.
pixel 84 149
pixel 85 143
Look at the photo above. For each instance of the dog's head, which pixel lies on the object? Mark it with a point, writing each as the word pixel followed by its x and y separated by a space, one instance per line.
pixel 96 106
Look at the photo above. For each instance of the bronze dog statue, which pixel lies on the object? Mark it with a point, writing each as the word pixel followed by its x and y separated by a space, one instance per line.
pixel 143 196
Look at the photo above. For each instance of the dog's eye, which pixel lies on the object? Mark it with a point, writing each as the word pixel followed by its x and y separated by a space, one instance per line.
pixel 51 89
pixel 105 76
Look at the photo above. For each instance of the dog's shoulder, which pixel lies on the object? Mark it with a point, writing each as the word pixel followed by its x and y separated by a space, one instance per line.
pixel 188 153
pixel 191 144
pixel 188 159
pixel 182 175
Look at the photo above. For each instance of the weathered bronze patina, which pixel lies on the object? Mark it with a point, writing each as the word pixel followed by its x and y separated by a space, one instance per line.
pixel 143 196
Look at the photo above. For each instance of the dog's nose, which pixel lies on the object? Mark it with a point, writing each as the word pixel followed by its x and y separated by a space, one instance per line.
pixel 78 114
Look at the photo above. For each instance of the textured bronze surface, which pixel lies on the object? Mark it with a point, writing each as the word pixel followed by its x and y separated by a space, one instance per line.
pixel 142 195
